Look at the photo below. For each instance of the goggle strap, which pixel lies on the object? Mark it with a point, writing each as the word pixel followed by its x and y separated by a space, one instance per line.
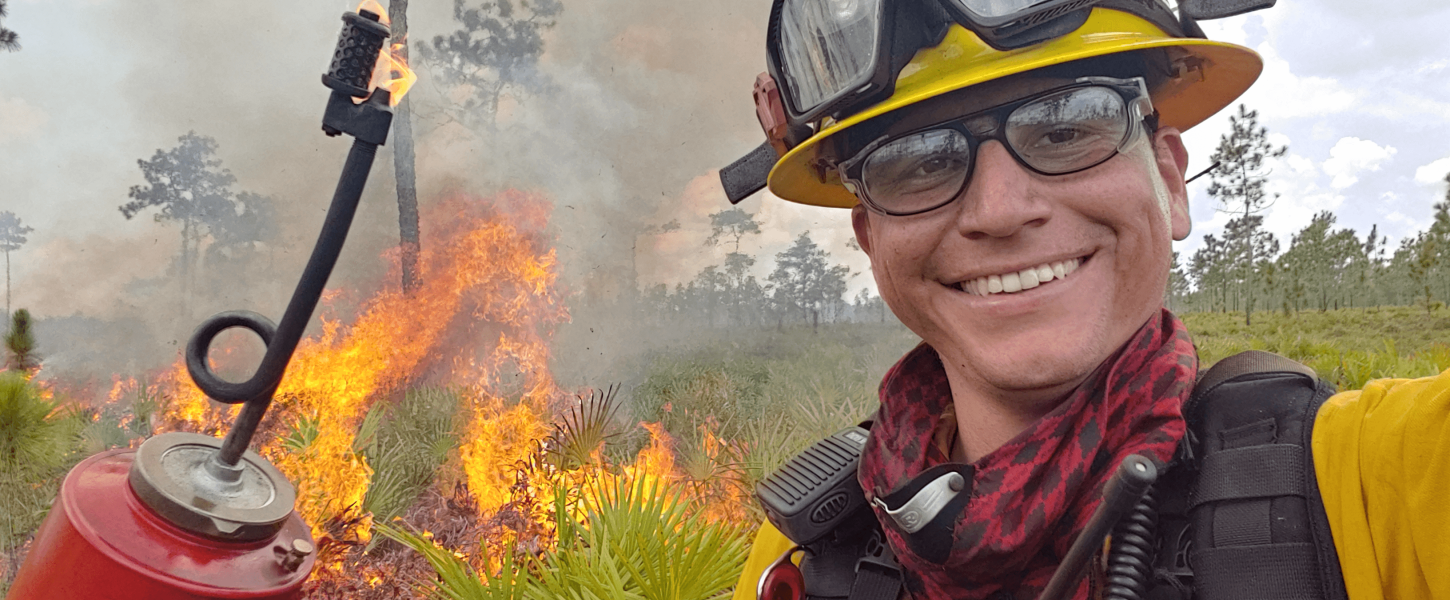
pixel 749 173
pixel 921 24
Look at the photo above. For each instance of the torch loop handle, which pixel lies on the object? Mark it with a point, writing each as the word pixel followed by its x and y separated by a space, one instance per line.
pixel 281 339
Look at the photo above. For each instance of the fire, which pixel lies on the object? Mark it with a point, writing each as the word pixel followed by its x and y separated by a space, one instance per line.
pixel 392 72
pixel 480 317
pixel 481 321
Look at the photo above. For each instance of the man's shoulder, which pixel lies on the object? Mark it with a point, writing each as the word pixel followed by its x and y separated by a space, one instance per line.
pixel 1382 459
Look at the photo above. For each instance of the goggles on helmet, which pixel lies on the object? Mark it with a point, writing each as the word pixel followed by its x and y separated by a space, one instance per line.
pixel 834 57
pixel 1060 131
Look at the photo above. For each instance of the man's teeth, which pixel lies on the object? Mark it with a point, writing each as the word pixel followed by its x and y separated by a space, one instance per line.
pixel 1025 279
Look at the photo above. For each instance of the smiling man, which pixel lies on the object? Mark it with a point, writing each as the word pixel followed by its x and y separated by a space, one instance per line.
pixel 1015 172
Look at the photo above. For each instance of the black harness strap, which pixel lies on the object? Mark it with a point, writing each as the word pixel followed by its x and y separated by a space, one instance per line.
pixel 873 583
pixel 1250 361
pixel 1238 573
pixel 1254 472
pixel 1254 512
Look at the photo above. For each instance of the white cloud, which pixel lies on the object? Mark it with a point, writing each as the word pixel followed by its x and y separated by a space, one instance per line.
pixel 1351 156
pixel 1433 173
pixel 1280 94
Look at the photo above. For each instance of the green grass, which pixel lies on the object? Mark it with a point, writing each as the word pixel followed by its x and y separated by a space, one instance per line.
pixel 1348 346
pixel 769 393
pixel 406 443
pixel 38 439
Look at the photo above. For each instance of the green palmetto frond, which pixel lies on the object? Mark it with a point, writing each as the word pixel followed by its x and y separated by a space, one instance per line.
pixel 584 429
pixel 459 581
pixel 638 540
pixel 671 552
pixel 304 431
pixel 405 447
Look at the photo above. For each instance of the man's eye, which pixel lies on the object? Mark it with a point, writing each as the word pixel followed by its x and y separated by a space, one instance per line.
pixel 935 165
pixel 1061 135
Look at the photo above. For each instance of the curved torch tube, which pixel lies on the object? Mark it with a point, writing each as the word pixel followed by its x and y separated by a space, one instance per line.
pixel 368 123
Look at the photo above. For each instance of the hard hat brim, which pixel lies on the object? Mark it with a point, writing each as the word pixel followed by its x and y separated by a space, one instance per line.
pixel 1223 72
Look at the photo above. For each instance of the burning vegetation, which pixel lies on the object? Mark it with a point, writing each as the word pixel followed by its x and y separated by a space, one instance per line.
pixel 432 416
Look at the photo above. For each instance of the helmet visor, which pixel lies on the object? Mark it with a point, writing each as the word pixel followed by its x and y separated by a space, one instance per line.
pixel 828 47
pixel 998 8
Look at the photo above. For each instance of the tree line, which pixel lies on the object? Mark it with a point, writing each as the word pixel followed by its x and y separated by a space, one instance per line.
pixel 806 286
pixel 1324 267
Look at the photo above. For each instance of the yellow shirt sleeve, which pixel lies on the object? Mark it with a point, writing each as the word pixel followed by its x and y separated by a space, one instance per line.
pixel 1382 459
pixel 769 544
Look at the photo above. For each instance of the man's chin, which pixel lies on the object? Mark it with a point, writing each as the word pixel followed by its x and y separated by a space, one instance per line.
pixel 1047 371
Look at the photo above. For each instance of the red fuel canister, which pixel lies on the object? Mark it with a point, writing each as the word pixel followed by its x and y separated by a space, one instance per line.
pixel 158 524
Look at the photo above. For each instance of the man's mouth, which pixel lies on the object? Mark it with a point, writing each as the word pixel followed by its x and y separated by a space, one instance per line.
pixel 1017 281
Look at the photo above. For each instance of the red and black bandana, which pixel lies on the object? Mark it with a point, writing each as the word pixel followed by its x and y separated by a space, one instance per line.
pixel 1027 500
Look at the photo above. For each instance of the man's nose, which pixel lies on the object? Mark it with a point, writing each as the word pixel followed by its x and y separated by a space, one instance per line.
pixel 998 202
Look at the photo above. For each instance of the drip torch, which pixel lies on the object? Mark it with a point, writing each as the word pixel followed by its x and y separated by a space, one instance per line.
pixel 187 516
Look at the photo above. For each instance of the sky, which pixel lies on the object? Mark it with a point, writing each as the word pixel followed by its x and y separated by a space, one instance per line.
pixel 648 99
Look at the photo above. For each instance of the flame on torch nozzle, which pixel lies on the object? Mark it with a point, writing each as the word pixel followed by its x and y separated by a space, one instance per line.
pixel 392 72
pixel 375 8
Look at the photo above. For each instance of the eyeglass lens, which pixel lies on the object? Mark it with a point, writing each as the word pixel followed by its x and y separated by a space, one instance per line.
pixel 1056 134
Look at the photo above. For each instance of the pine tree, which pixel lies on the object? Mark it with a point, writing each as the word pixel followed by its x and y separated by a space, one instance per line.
pixel 1238 184
pixel 404 160
pixel 9 40
pixel 734 224
pixel 185 184
pixel 20 342
pixel 805 280
pixel 12 237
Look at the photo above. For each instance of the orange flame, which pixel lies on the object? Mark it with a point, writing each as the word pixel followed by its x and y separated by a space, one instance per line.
pixel 392 72
pixel 488 270
pixel 481 319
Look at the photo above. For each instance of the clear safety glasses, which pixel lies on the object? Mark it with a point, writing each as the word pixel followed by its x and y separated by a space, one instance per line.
pixel 1057 132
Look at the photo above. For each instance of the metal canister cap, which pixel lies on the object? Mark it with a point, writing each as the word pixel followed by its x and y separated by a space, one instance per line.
pixel 176 475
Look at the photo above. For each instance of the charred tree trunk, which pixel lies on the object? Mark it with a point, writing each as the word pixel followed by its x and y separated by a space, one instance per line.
pixel 403 161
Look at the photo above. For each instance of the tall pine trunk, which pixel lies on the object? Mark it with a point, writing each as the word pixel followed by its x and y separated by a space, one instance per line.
pixel 403 161
pixel 1249 301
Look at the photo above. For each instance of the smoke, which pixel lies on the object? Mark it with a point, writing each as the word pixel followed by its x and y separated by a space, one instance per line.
pixel 647 100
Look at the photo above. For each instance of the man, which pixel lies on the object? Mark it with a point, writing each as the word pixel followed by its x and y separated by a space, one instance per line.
pixel 1017 193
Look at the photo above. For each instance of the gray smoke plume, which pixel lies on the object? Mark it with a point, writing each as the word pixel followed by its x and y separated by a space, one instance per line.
pixel 644 101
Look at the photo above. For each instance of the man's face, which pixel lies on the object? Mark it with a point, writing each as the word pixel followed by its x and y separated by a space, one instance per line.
pixel 1037 343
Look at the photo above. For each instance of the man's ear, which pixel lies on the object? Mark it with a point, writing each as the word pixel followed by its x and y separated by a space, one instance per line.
pixel 860 221
pixel 1172 159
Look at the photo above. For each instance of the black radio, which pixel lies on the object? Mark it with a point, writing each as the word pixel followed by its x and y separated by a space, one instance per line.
pixel 812 493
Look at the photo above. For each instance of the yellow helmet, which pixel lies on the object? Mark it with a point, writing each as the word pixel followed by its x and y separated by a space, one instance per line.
pixel 1207 76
